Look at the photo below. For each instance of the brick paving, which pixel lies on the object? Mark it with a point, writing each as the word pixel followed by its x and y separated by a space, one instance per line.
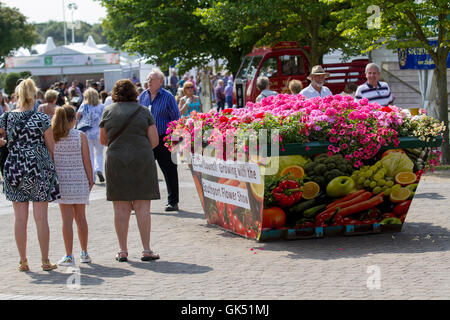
pixel 204 262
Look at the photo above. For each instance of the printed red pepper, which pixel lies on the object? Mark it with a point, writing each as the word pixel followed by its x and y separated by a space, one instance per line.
pixel 402 208
pixel 287 193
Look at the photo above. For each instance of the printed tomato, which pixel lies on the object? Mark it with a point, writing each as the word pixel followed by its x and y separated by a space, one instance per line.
pixel 251 233
pixel 239 228
pixel 273 217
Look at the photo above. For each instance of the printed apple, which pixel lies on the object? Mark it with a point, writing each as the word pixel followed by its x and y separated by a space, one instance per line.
pixel 340 186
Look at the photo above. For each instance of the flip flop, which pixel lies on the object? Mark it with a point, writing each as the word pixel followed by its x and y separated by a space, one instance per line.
pixel 148 255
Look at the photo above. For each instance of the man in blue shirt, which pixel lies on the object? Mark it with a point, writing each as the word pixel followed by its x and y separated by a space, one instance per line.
pixel 164 109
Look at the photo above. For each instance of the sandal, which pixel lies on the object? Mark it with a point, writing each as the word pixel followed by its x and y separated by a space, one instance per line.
pixel 23 266
pixel 148 255
pixel 122 256
pixel 47 266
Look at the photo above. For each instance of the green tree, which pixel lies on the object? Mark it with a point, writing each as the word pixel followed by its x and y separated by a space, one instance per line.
pixel 11 81
pixel 55 29
pixel 15 32
pixel 196 31
pixel 165 32
pixel 265 22
pixel 403 24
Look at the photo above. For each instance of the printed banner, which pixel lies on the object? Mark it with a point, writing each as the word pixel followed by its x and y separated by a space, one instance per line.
pixel 226 194
pixel 62 60
pixel 242 171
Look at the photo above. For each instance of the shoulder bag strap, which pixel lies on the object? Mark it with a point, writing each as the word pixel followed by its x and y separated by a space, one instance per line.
pixel 127 123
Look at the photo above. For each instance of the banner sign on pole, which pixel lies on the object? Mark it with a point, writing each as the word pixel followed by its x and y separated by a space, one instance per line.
pixel 417 58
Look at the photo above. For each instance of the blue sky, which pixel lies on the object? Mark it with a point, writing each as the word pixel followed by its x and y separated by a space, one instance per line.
pixel 44 10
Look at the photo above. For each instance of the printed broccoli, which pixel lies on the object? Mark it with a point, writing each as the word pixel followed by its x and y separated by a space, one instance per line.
pixel 320 169
pixel 330 175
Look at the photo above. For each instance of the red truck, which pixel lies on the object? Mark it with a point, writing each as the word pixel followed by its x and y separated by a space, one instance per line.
pixel 286 61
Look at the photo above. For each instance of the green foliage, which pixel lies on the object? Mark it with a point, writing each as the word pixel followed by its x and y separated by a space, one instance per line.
pixel 266 22
pixel 11 81
pixel 15 32
pixel 2 80
pixel 55 29
pixel 196 31
pixel 403 24
pixel 24 74
pixel 164 31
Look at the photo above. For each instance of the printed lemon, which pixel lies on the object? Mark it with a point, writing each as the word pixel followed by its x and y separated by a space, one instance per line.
pixel 257 190
pixel 310 190
pixel 405 178
pixel 399 194
pixel 295 171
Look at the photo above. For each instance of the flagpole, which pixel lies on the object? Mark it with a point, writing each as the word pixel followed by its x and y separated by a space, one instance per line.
pixel 64 17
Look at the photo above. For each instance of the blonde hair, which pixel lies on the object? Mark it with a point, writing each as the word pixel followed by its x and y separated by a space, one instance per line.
pixel 62 121
pixel 26 92
pixel 92 97
pixel 186 84
pixel 51 95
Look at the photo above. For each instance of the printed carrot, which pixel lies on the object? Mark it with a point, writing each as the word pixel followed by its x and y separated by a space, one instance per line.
pixel 346 198
pixel 362 197
pixel 365 195
pixel 366 205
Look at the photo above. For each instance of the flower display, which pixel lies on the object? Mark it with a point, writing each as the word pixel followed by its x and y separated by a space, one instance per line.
pixel 357 130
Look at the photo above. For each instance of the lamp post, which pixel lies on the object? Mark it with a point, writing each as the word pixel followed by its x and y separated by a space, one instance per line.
pixel 72 7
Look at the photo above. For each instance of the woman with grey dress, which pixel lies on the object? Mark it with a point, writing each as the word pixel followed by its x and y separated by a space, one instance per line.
pixel 129 131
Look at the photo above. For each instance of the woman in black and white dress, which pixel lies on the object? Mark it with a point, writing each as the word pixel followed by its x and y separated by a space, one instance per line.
pixel 29 172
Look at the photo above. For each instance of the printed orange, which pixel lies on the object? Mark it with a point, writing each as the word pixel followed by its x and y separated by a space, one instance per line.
pixel 405 178
pixel 258 190
pixel 399 195
pixel 295 171
pixel 310 190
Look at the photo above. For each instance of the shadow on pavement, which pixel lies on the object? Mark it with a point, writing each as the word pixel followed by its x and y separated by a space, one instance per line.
pixel 62 278
pixel 170 267
pixel 89 274
pixel 181 214
pixel 430 195
pixel 93 269
pixel 416 237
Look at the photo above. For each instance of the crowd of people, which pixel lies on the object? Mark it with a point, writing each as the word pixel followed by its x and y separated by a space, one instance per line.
pixel 221 90
pixel 55 152
pixel 374 90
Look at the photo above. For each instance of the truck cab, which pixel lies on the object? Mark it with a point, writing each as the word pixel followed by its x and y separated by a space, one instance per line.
pixel 284 62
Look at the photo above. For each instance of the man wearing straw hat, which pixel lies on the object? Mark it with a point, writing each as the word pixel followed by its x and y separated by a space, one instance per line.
pixel 316 88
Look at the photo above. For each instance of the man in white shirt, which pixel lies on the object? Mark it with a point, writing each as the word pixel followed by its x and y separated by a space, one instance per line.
pixel 316 88
pixel 374 90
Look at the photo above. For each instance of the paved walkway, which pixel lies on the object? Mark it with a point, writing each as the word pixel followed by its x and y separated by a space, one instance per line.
pixel 203 262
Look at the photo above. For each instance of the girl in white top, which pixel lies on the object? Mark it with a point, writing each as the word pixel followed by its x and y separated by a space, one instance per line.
pixel 75 176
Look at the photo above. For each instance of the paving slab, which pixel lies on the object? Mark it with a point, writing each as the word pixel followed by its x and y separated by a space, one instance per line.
pixel 199 261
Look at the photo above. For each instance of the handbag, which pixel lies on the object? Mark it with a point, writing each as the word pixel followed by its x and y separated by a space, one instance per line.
pixel 85 123
pixel 4 149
